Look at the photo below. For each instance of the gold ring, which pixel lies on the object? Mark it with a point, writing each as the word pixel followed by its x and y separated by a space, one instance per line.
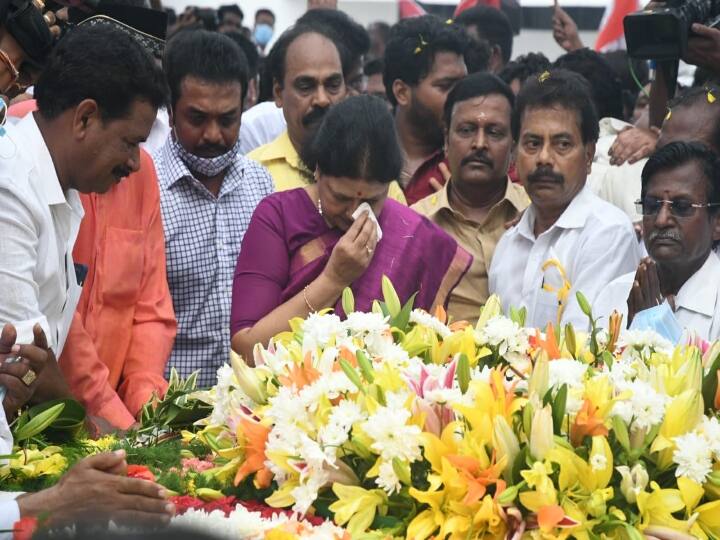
pixel 49 18
pixel 39 4
pixel 29 377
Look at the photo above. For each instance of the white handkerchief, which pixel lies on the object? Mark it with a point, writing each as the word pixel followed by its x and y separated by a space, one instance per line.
pixel 365 207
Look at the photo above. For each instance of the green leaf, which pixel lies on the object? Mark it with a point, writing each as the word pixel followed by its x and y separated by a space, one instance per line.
pixel 558 408
pixel 348 301
pixel 39 423
pixel 518 316
pixel 403 318
pixel 392 301
pixel 351 374
pixel 621 432
pixel 570 339
pixel 463 373
pixel 710 383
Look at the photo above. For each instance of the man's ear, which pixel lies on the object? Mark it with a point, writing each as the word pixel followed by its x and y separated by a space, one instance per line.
pixel 402 92
pixel 495 62
pixel 277 94
pixel 589 156
pixel 87 113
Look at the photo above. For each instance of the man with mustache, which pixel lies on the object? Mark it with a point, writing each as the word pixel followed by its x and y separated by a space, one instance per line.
pixel 208 192
pixel 680 205
pixel 423 61
pixel 568 240
pixel 478 200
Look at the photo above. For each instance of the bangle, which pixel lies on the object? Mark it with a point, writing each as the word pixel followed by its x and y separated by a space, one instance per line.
pixel 14 73
pixel 307 302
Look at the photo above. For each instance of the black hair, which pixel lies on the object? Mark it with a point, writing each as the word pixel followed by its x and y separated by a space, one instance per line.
pixel 678 153
pixel 375 66
pixel 411 49
pixel 699 95
pixel 558 88
pixel 524 66
pixel 100 63
pixel 357 140
pixel 209 56
pixel 475 85
pixel 492 25
pixel 230 8
pixel 604 82
pixel 275 61
pixel 384 29
pixel 265 11
pixel 347 32
pixel 248 48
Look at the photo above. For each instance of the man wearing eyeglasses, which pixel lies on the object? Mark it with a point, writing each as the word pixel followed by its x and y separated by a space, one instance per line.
pixel 680 205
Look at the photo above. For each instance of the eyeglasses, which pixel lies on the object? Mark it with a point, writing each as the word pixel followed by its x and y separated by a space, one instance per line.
pixel 650 206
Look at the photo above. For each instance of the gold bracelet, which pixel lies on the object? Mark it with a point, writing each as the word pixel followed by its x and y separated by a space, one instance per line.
pixel 307 302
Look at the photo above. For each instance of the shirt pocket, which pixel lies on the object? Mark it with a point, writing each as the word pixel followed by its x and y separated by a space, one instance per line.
pixel 122 266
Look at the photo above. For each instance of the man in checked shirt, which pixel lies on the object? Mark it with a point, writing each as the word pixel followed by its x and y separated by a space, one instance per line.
pixel 208 192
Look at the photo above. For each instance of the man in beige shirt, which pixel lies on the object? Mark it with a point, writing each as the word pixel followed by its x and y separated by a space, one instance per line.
pixel 479 199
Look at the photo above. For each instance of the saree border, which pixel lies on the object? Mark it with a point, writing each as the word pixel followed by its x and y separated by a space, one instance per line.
pixel 455 272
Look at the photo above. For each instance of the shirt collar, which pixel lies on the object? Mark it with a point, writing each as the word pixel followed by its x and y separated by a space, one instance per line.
pixel 700 292
pixel 574 217
pixel 36 147
pixel 282 148
pixel 441 200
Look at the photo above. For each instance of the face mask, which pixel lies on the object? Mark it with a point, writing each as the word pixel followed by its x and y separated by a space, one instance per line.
pixel 263 34
pixel 207 166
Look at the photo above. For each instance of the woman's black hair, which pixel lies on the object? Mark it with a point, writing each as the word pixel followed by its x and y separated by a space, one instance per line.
pixel 357 140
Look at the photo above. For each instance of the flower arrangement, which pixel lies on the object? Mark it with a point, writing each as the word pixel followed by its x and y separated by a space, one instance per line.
pixel 397 423
pixel 394 423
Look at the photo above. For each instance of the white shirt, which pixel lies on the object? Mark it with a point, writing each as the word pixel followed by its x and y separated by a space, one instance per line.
pixel 38 227
pixel 618 185
pixel 260 125
pixel 697 304
pixel 593 241
pixel 158 133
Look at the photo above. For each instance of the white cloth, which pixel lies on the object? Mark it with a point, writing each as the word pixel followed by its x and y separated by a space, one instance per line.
pixel 697 304
pixel 593 241
pixel 38 227
pixel 159 132
pixel 260 125
pixel 9 511
pixel 618 185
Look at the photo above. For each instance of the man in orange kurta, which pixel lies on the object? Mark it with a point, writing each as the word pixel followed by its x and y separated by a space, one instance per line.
pixel 124 327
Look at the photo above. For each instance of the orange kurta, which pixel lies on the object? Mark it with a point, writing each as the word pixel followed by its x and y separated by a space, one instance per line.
pixel 124 326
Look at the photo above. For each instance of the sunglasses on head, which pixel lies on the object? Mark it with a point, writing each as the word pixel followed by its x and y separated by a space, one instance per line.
pixel 650 206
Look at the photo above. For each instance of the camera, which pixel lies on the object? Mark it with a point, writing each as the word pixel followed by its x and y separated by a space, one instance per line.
pixel 661 32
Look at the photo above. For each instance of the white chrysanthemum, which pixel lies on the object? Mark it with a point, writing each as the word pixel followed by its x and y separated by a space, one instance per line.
pixel 443 396
pixel 392 437
pixel 710 428
pixel 239 524
pixel 645 341
pixel 221 407
pixel 320 330
pixel 306 493
pixel 645 408
pixel 598 462
pixel 380 347
pixel 360 324
pixel 503 334
pixel 423 318
pixel 693 457
pixel 566 371
pixel 387 479
pixel 622 371
pixel 331 386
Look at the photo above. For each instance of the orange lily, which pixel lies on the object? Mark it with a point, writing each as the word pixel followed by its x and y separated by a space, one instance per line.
pixel 255 435
pixel 477 478
pixel 301 375
pixel 549 344
pixel 587 423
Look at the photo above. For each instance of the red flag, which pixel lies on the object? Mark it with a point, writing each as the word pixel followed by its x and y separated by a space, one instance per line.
pixel 467 4
pixel 611 35
pixel 408 8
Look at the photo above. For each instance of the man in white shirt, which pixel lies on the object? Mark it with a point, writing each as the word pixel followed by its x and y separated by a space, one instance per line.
pixel 680 205
pixel 97 100
pixel 568 240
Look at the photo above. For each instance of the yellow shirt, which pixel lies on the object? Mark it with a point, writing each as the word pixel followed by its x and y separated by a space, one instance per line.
pixel 479 239
pixel 289 172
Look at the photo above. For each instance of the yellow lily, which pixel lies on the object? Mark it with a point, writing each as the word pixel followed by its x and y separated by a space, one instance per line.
pixel 541 433
pixel 357 507
pixel 657 507
pixel 682 415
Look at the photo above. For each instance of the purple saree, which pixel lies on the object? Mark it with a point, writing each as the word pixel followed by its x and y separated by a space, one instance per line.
pixel 288 244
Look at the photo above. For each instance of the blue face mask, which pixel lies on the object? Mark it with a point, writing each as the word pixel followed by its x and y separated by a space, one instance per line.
pixel 263 34
pixel 209 167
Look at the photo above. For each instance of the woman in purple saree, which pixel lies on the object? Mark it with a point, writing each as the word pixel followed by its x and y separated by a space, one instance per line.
pixel 302 247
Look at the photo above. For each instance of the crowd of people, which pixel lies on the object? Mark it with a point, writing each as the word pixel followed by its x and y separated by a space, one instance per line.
pixel 174 189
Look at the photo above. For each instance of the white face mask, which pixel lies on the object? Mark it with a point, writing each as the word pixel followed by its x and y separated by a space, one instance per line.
pixel 206 166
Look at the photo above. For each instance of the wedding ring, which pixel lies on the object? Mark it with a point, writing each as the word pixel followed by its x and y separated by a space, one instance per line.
pixel 29 377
